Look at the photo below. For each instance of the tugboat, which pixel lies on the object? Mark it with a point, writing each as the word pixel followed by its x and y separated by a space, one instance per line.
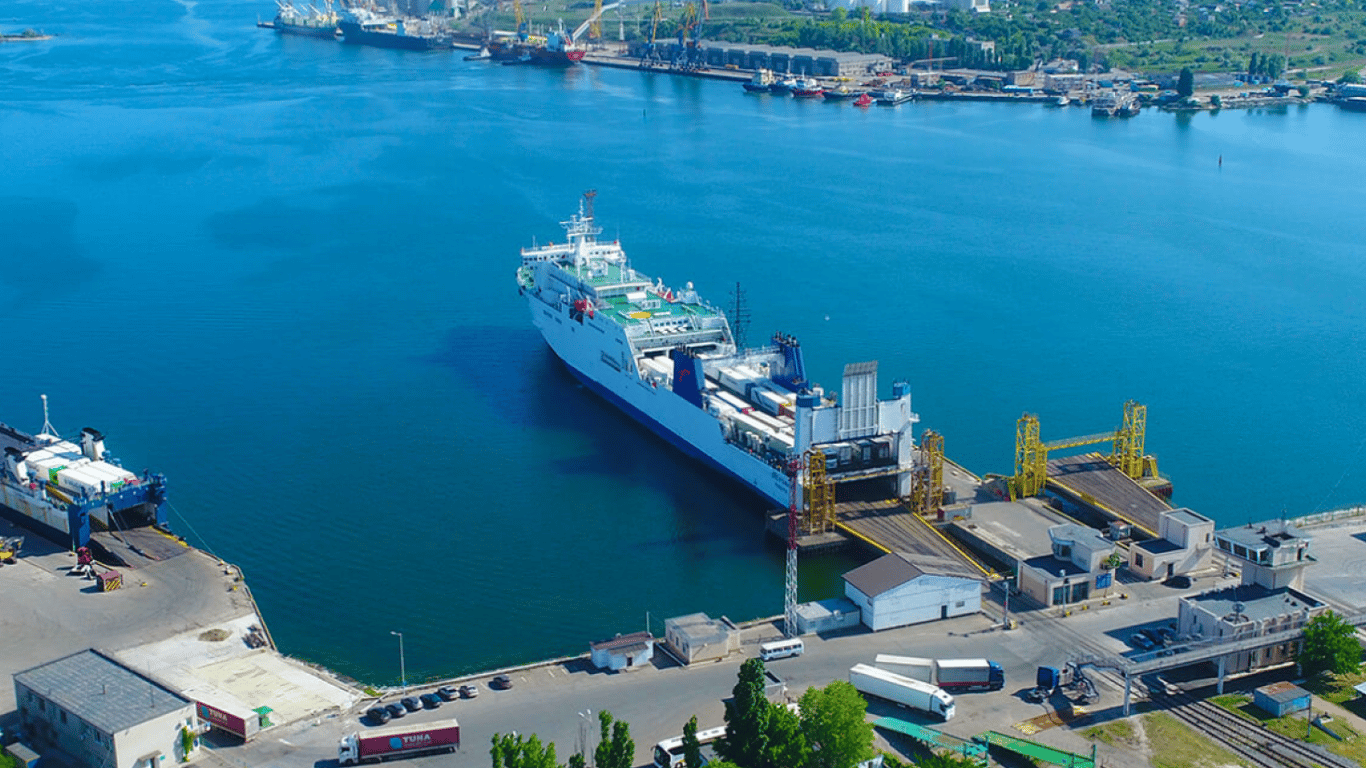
pixel 890 97
pixel 807 88
pixel 762 82
pixel 864 100
pixel 783 87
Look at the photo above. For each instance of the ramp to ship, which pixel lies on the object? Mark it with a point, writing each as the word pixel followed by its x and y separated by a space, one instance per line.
pixel 1093 482
pixel 134 547
pixel 890 527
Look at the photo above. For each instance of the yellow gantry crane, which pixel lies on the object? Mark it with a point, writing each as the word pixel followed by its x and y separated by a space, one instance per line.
pixel 927 484
pixel 595 29
pixel 818 496
pixel 1126 453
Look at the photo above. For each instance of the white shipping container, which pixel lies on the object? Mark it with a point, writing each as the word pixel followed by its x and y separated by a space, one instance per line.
pixel 78 480
pixel 902 690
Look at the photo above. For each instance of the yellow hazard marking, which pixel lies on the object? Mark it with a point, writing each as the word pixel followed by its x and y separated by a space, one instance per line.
pixel 639 315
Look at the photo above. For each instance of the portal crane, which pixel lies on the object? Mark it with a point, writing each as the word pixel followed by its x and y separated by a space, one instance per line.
pixel 1127 444
pixel 523 31
pixel 649 55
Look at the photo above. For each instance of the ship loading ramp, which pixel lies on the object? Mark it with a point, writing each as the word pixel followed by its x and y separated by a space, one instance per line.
pixel 1093 482
pixel 888 526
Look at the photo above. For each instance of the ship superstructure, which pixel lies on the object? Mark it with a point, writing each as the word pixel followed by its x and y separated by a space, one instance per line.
pixel 75 489
pixel 669 359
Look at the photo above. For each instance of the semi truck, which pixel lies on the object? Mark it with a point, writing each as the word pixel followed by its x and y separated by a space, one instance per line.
pixel 949 674
pixel 916 694
pixel 378 744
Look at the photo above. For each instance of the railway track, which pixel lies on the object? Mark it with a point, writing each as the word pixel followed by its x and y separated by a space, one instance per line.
pixel 1256 745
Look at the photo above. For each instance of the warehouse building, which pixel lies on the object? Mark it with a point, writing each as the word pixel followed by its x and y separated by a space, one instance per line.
pixel 99 713
pixel 782 59
pixel 895 590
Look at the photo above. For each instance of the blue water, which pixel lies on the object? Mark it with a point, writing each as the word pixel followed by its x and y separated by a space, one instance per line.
pixel 280 271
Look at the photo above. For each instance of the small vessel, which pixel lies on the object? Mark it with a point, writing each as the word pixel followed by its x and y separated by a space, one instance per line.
pixel 1114 103
pixel 73 490
pixel 1062 101
pixel 890 97
pixel 668 359
pixel 783 87
pixel 864 100
pixel 313 23
pixel 761 82
pixel 560 50
pixel 482 55
pixel 1353 103
pixel 841 93
pixel 807 88
pixel 361 26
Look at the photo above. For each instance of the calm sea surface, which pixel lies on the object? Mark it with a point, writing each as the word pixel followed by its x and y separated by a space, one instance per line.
pixel 281 271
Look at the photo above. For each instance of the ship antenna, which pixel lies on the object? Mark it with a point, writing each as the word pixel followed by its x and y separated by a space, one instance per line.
pixel 47 425
pixel 739 318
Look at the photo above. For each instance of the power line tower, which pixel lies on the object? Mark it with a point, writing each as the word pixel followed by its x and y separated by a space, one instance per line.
pixel 794 471
pixel 739 317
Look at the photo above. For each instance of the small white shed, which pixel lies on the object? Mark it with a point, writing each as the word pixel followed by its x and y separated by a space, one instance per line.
pixel 892 591
pixel 623 651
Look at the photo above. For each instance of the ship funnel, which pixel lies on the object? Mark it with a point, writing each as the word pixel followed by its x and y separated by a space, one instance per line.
pixel 92 444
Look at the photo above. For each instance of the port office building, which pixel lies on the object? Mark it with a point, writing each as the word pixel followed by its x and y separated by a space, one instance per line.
pixel 96 713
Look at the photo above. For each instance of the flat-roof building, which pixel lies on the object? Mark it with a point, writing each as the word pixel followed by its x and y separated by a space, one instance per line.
pixel 102 714
pixel 1184 544
pixel 1249 611
pixel 1272 554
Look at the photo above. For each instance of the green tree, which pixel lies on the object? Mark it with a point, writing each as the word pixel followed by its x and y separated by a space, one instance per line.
pixel 1329 646
pixel 1185 83
pixel 692 749
pixel 747 715
pixel 577 760
pixel 512 751
pixel 1350 77
pixel 833 719
pixel 786 743
pixel 616 748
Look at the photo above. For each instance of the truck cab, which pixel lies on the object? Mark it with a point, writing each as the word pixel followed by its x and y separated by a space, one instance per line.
pixel 996 677
pixel 942 704
pixel 348 750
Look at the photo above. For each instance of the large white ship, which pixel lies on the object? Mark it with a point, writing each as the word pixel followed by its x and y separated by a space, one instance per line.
pixel 668 358
pixel 74 491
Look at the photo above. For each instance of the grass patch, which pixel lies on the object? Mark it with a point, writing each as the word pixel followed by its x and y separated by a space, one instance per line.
pixel 373 692
pixel 1334 688
pixel 1176 746
pixel 7 760
pixel 1116 733
pixel 1296 726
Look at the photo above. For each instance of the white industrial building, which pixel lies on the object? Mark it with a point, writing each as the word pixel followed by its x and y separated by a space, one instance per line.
pixel 101 714
pixel 1184 545
pixel 1073 571
pixel 893 591
pixel 831 615
pixel 698 637
pixel 623 651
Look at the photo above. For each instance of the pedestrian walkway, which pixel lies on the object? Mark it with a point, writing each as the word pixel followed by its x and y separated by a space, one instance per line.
pixel 1041 752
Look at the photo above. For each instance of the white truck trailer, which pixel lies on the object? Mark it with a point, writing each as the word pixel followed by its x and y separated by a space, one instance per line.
pixel 916 694
pixel 949 674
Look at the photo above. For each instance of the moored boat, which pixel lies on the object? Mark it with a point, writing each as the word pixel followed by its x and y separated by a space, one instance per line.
pixel 784 86
pixel 864 100
pixel 314 23
pixel 841 93
pixel 761 82
pixel 890 97
pixel 361 26
pixel 808 88
pixel 668 359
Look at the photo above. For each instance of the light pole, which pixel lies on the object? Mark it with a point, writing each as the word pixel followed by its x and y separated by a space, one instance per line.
pixel 585 735
pixel 402 670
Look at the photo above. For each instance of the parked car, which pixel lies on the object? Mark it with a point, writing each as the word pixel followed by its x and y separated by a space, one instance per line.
pixel 1179 582
pixel 1141 642
pixel 411 703
pixel 377 715
pixel 396 710
pixel 469 691
pixel 501 683
pixel 448 693
pixel 430 700
pixel 1154 636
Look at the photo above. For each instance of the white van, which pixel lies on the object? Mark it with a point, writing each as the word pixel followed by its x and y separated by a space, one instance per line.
pixel 781 649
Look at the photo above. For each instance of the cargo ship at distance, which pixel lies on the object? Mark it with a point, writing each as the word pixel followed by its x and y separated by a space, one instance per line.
pixel 75 491
pixel 669 360
pixel 311 23
pixel 361 26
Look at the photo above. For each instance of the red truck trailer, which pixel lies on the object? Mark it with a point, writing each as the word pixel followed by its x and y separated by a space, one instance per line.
pixel 399 741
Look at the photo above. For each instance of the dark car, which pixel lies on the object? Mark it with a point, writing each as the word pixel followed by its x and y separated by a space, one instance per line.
pixel 411 703
pixel 396 710
pixel 1141 642
pixel 1154 636
pixel 469 691
pixel 1179 582
pixel 430 700
pixel 447 693
pixel 501 682
pixel 377 715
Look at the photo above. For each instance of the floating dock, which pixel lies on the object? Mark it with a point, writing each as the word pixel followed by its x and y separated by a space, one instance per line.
pixel 1110 495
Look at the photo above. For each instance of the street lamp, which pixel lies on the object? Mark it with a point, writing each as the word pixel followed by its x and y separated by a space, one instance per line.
pixel 402 670
pixel 585 734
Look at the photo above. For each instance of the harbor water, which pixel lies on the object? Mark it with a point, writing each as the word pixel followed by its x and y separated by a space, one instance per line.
pixel 280 271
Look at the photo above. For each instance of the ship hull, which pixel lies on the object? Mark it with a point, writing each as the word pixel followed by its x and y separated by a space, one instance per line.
pixel 583 348
pixel 355 35
pixel 326 33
